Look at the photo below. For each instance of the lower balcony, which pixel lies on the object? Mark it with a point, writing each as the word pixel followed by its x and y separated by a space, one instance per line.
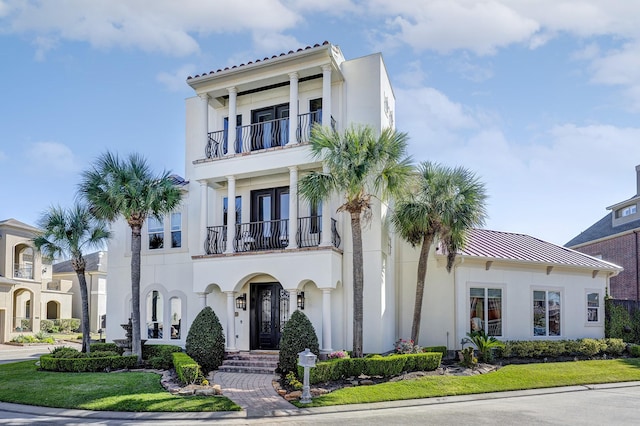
pixel 268 235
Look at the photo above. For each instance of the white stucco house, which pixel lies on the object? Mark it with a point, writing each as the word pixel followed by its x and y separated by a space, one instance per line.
pixel 247 133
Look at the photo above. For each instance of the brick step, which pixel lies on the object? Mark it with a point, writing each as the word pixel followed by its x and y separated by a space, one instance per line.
pixel 268 358
pixel 246 369
pixel 249 363
pixel 257 362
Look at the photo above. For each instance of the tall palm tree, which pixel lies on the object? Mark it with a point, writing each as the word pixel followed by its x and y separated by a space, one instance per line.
pixel 360 166
pixel 445 204
pixel 68 233
pixel 127 188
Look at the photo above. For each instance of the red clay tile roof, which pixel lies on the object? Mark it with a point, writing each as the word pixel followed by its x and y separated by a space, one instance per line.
pixel 258 60
pixel 498 245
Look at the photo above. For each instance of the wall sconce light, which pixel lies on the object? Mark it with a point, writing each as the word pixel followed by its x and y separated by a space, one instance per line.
pixel 301 300
pixel 241 302
pixel 44 269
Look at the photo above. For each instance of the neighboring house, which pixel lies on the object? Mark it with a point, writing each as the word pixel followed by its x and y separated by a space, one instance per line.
pixel 245 244
pixel 615 238
pixel 27 293
pixel 96 276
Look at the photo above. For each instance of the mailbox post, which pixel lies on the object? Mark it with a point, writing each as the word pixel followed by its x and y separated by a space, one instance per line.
pixel 306 359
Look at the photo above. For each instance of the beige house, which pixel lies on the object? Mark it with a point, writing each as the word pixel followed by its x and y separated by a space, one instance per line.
pixel 96 276
pixel 27 292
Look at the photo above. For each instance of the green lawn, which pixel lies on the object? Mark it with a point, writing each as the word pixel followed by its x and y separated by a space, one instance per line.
pixel 23 383
pixel 511 377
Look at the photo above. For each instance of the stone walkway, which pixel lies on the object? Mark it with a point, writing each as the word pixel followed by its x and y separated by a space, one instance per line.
pixel 254 393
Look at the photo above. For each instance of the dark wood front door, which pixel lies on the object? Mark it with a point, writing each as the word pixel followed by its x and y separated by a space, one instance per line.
pixel 269 311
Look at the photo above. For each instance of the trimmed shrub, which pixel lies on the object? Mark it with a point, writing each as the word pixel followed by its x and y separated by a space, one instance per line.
pixel 634 350
pixel 47 326
pixel 559 348
pixel 80 362
pixel 205 341
pixel 67 325
pixel 101 347
pixel 386 366
pixel 441 349
pixel 615 347
pixel 160 356
pixel 187 369
pixel 298 334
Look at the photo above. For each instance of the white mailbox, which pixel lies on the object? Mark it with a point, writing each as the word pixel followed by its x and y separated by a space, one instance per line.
pixel 306 359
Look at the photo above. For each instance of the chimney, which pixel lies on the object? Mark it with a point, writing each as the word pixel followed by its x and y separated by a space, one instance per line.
pixel 638 180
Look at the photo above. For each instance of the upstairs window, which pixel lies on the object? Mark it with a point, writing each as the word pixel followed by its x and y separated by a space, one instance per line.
pixel 176 230
pixel 155 229
pixel 626 211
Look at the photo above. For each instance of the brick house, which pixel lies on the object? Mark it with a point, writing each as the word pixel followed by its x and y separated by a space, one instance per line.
pixel 615 238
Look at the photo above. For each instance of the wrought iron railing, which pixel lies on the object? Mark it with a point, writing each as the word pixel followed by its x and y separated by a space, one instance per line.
pixel 257 136
pixel 23 270
pixel 268 235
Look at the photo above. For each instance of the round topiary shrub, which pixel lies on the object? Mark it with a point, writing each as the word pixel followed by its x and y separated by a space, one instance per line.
pixel 298 334
pixel 205 341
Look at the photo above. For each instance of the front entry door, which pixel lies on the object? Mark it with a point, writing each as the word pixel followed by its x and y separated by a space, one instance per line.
pixel 269 312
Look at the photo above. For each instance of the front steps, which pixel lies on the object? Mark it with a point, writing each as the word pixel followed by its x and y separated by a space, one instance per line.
pixel 253 362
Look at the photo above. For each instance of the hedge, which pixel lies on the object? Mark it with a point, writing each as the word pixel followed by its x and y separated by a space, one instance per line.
pixel 441 349
pixel 634 350
pixel 187 369
pixel 160 356
pixel 558 348
pixel 376 365
pixel 92 363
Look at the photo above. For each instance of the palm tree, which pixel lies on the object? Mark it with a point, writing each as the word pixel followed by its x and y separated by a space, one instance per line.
pixel 127 188
pixel 68 233
pixel 360 166
pixel 446 204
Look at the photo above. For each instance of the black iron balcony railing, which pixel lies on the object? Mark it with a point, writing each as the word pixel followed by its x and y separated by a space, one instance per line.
pixel 268 235
pixel 258 136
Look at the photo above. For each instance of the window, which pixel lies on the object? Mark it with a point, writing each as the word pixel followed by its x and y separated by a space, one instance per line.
pixel 593 307
pixel 176 317
pixel 176 230
pixel 316 217
pixel 626 211
pixel 225 208
pixel 154 315
pixel 546 313
pixel 155 229
pixel 485 310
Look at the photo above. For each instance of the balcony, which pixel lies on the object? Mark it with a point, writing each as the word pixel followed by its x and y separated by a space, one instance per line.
pixel 268 235
pixel 23 270
pixel 263 135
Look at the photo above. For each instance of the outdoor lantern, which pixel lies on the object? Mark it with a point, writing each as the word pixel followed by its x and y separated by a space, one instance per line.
pixel 241 302
pixel 301 300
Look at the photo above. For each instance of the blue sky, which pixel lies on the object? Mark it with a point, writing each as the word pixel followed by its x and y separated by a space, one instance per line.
pixel 540 98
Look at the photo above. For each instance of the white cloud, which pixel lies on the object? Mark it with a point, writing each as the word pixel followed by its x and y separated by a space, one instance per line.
pixel 51 158
pixel 166 26
pixel 175 81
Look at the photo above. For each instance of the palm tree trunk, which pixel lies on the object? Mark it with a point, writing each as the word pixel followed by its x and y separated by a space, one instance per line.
pixel 422 274
pixel 136 244
pixel 84 296
pixel 358 284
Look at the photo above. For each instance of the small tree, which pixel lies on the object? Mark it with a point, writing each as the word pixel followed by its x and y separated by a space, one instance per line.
pixel 205 340
pixel 298 334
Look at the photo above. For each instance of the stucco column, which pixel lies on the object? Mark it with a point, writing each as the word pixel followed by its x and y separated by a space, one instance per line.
pixel 233 111
pixel 231 322
pixel 203 300
pixel 204 214
pixel 326 95
pixel 231 212
pixel 326 320
pixel 203 125
pixel 326 218
pixel 293 108
pixel 293 301
pixel 293 207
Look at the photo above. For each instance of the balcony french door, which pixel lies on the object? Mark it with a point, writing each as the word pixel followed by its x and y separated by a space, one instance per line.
pixel 270 217
pixel 271 129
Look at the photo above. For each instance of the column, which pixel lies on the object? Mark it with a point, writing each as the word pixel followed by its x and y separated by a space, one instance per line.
pixel 293 301
pixel 293 207
pixel 293 108
pixel 233 111
pixel 231 322
pixel 203 300
pixel 204 215
pixel 326 95
pixel 327 232
pixel 231 213
pixel 326 320
pixel 204 119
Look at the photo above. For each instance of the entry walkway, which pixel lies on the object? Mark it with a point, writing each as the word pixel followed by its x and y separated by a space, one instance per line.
pixel 254 393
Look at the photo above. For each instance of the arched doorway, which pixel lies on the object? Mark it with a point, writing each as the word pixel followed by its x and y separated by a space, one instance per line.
pixel 53 310
pixel 22 304
pixel 269 311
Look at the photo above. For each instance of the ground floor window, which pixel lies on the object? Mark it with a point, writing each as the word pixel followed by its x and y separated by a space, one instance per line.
pixel 546 313
pixel 176 317
pixel 593 307
pixel 154 315
pixel 485 310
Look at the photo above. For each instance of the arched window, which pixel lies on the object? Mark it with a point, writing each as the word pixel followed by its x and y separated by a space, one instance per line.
pixel 154 315
pixel 176 317
pixel 52 310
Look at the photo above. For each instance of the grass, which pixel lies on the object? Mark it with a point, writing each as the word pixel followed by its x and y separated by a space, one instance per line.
pixel 130 391
pixel 511 377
